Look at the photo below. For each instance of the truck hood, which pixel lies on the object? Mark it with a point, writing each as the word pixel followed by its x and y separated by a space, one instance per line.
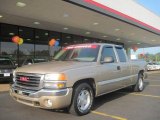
pixel 53 66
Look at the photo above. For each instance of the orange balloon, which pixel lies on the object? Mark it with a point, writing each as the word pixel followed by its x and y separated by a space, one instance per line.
pixel 16 39
pixel 52 42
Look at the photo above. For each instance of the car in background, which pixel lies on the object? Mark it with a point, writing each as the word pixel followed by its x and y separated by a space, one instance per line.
pixel 6 69
pixel 30 61
pixel 157 66
pixel 153 66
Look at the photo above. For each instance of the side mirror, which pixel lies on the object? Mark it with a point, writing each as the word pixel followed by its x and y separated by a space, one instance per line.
pixel 107 60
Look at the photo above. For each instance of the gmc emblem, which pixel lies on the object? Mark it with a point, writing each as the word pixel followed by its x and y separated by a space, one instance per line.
pixel 25 79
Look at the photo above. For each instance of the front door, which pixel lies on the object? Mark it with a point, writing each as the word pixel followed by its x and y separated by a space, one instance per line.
pixel 109 73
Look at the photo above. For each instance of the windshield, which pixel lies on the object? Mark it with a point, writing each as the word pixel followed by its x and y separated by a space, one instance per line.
pixel 86 53
pixel 5 62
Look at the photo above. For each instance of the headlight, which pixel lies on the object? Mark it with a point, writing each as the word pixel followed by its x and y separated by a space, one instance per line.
pixel 55 81
pixel 55 76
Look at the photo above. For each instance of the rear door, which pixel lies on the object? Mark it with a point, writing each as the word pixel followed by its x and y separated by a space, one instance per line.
pixel 124 66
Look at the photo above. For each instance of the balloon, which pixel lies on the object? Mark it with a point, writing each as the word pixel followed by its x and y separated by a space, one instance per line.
pixel 52 42
pixel 56 43
pixel 135 48
pixel 20 41
pixel 16 39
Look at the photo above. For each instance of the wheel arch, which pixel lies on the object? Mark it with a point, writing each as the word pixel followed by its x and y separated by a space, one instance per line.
pixel 89 81
pixel 141 72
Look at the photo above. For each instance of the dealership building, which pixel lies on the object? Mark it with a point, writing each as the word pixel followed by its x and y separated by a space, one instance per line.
pixel 125 23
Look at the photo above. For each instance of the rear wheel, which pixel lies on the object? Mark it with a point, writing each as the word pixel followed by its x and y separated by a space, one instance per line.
pixel 139 86
pixel 82 99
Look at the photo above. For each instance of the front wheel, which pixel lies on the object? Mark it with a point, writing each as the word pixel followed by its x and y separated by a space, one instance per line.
pixel 82 99
pixel 139 86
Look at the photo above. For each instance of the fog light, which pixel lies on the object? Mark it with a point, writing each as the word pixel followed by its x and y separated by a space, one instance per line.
pixel 60 85
pixel 48 103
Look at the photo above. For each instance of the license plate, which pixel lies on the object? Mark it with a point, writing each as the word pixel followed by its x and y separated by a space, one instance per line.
pixel 6 74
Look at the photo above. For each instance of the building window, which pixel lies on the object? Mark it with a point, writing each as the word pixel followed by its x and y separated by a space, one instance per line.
pixel 66 39
pixel 77 39
pixel 41 50
pixel 55 35
pixel 26 49
pixel 35 42
pixel 41 36
pixel 86 40
pixel 26 33
pixel 8 30
pixel 54 50
pixel 8 48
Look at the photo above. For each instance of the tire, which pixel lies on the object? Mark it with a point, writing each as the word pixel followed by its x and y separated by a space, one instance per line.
pixel 82 100
pixel 139 86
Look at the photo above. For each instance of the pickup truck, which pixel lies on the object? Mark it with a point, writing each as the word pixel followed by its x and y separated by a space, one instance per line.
pixel 76 75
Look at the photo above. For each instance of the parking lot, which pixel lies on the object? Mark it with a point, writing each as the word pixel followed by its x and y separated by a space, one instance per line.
pixel 120 105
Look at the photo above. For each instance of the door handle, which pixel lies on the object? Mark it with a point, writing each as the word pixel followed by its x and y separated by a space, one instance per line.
pixel 118 68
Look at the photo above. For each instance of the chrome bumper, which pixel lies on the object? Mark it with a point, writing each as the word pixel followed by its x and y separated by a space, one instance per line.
pixel 48 99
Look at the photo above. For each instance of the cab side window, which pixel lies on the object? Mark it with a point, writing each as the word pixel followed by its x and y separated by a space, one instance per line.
pixel 121 54
pixel 108 52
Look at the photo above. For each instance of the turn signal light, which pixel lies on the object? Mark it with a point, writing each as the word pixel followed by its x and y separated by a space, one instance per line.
pixel 62 77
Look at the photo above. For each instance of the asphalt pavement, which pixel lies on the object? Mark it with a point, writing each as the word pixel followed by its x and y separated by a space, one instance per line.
pixel 119 105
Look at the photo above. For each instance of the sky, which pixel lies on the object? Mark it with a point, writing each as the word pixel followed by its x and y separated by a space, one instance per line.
pixel 153 6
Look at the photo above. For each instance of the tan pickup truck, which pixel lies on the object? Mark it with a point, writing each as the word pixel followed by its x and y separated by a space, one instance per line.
pixel 77 74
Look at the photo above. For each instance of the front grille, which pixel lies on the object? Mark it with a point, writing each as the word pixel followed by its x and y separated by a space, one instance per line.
pixel 6 70
pixel 28 80
pixel 1 75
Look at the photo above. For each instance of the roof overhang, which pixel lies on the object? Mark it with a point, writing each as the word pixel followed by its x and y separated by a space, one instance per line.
pixel 80 18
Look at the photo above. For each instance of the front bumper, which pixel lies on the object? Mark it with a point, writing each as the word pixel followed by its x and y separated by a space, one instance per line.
pixel 57 98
